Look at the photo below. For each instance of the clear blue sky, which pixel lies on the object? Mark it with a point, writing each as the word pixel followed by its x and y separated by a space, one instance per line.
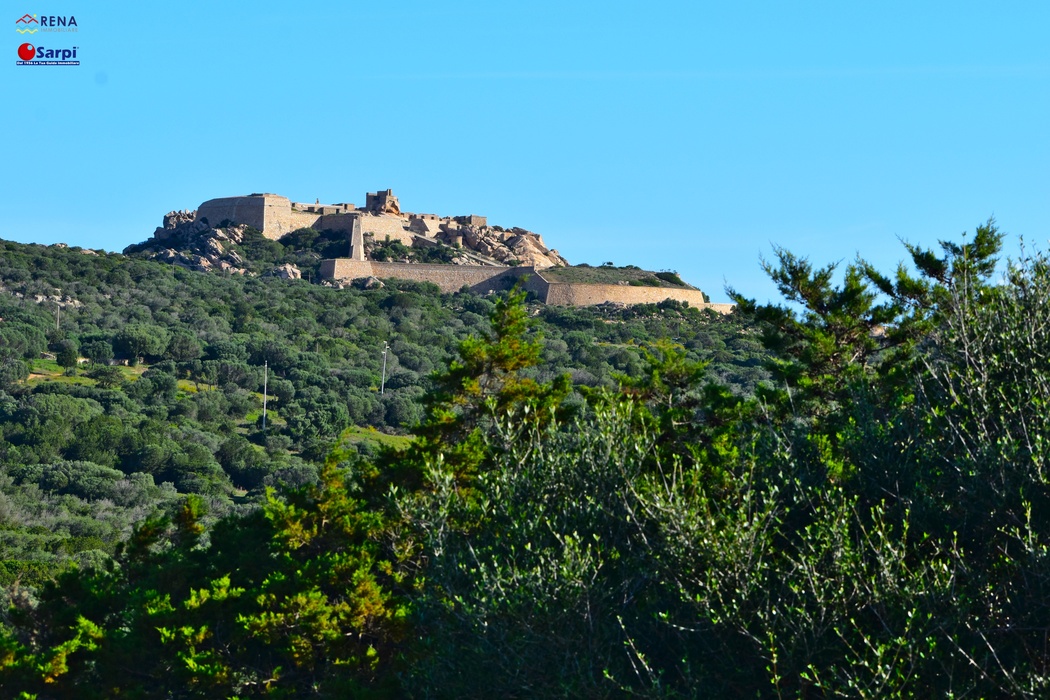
pixel 671 135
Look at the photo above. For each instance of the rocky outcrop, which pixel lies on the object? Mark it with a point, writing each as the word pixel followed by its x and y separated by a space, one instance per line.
pixel 287 272
pixel 516 246
pixel 173 219
pixel 194 245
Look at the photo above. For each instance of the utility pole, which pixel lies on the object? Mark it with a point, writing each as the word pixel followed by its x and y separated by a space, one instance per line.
pixel 382 387
pixel 266 375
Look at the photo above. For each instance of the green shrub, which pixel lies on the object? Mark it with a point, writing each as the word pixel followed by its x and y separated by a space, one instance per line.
pixel 671 277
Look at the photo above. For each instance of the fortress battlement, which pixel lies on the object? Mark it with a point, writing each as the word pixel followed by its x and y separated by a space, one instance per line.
pixel 275 215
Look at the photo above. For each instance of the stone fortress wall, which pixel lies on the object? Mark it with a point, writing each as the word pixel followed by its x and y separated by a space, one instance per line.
pixel 386 227
pixel 452 278
pixel 275 216
pixel 569 294
pixel 244 210
pixel 448 278
pixel 270 213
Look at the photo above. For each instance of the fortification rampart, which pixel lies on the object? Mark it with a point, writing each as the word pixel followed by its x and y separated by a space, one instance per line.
pixel 532 281
pixel 274 216
pixel 270 213
pixel 386 227
pixel 280 223
pixel 448 278
pixel 335 222
pixel 575 294
pixel 345 269
pixel 250 211
pixel 451 278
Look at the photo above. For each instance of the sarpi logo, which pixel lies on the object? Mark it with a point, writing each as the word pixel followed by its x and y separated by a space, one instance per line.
pixel 27 24
pixel 31 24
pixel 29 55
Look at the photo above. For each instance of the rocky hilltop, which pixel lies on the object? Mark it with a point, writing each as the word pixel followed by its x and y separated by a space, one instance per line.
pixel 193 244
pixel 342 245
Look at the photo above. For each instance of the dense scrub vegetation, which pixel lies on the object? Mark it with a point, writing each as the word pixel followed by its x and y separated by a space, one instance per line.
pixel 608 273
pixel 89 449
pixel 396 251
pixel 871 523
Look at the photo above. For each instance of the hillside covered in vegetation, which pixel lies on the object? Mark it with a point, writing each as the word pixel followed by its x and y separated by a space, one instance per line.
pixel 871 522
pixel 126 384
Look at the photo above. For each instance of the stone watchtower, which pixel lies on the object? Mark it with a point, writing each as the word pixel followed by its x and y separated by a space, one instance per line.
pixel 382 202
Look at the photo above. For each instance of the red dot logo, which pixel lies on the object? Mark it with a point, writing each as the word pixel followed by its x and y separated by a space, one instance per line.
pixel 26 52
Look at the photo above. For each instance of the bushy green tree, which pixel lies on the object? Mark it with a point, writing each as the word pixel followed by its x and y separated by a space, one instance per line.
pixel 484 384
pixel 20 341
pixel 68 354
pixel 12 371
pixel 136 341
pixel 99 352
pixel 294 599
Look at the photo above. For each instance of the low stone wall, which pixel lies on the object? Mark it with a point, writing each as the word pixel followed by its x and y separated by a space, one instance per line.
pixel 532 281
pixel 451 278
pixel 345 269
pixel 569 294
pixel 448 278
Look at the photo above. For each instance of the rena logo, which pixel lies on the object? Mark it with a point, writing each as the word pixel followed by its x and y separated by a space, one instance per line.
pixel 26 52
pixel 29 24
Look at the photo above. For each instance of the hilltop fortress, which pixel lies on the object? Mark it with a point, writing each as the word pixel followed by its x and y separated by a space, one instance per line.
pixel 381 220
pixel 485 258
